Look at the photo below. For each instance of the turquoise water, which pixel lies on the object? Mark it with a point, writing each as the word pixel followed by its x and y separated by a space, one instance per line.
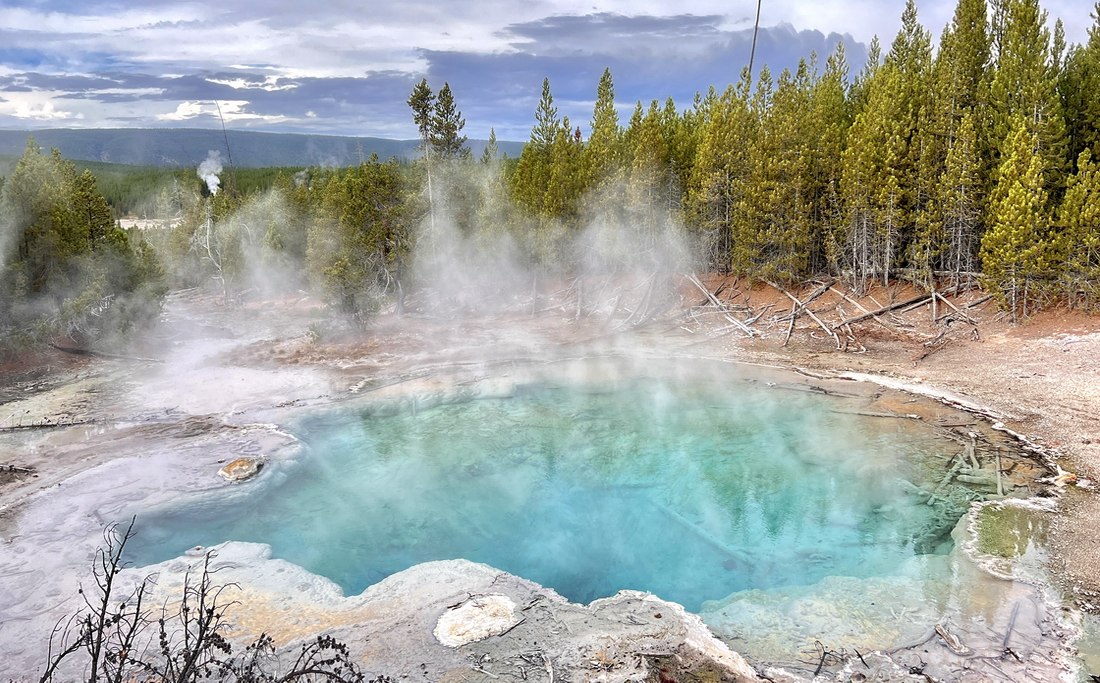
pixel 691 491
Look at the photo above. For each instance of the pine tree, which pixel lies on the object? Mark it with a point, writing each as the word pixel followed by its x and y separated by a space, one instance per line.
pixel 564 188
pixel 66 267
pixel 547 124
pixel 827 132
pixel 772 218
pixel 962 197
pixel 446 123
pixel 355 252
pixel 953 160
pixel 681 131
pixel 490 153
pixel 717 179
pixel 885 185
pixel 1079 218
pixel 1079 87
pixel 955 225
pixel 531 177
pixel 861 87
pixel 422 102
pixel 1016 248
pixel 1024 84
pixel 603 152
pixel 649 169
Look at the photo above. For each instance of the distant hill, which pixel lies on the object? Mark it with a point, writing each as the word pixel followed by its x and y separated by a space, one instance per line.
pixel 186 147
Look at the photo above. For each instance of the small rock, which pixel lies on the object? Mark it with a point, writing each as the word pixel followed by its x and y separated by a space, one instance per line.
pixel 241 469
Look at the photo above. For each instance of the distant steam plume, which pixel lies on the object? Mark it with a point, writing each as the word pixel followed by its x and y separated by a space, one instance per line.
pixel 209 170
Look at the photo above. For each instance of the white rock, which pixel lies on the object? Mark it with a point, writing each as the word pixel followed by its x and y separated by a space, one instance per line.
pixel 476 619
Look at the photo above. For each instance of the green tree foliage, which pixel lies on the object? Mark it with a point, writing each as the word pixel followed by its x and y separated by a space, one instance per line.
pixel 959 209
pixel 1079 88
pixel 953 156
pixel 358 242
pixel 446 124
pixel 65 266
pixel 603 154
pixel 1016 250
pixel 1079 218
pixel 917 168
pixel 682 131
pixel 717 180
pixel 549 179
pixel 885 185
pixel 566 180
pixel 532 173
pixel 1024 84
pixel 826 122
pixel 422 103
pixel 490 154
pixel 649 189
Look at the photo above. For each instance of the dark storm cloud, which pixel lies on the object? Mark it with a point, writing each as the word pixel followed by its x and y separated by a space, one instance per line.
pixel 616 31
pixel 646 56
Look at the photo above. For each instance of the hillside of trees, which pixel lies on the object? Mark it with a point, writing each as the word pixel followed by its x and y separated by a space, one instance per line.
pixel 187 147
pixel 974 162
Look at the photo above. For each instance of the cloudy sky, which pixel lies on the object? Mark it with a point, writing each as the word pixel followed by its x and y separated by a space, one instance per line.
pixel 345 67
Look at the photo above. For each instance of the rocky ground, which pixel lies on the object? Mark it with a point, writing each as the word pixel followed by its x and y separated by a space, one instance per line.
pixel 213 377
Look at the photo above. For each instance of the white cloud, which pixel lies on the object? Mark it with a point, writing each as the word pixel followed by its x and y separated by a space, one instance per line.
pixel 188 110
pixel 25 19
pixel 229 110
pixel 270 84
pixel 35 106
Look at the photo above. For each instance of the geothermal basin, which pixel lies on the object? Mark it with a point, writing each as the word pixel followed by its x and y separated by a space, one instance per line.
pixel 784 512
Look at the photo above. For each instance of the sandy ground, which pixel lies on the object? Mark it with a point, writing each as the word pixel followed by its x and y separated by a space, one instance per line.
pixel 210 369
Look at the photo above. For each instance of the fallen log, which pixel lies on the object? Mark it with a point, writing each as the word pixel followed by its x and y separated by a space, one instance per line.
pixel 801 308
pixel 102 354
pixel 790 327
pixel 721 307
pixel 922 299
pixel 980 301
pixel 45 425
pixel 955 308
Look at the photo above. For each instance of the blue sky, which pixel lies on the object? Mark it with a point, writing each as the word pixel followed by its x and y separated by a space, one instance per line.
pixel 342 67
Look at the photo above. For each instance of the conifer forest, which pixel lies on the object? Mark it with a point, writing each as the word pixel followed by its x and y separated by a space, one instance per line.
pixel 970 159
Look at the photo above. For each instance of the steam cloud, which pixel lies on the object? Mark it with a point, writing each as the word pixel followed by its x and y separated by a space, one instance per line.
pixel 209 170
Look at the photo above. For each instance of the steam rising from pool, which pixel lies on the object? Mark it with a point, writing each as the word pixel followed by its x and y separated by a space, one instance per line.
pixel 692 490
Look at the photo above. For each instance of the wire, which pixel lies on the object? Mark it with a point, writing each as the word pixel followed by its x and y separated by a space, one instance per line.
pixel 229 155
pixel 755 31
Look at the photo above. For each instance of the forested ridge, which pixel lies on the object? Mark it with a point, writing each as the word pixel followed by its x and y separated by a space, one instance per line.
pixel 973 160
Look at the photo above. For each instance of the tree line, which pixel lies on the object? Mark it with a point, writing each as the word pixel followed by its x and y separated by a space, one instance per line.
pixel 972 162
pixel 977 159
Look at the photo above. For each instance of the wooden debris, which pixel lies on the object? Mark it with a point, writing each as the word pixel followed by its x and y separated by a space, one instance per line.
pixel 921 300
pixel 102 354
pixel 952 642
pixel 801 307
pixel 721 307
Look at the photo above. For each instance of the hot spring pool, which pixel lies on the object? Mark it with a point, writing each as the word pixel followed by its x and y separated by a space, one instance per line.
pixel 692 490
